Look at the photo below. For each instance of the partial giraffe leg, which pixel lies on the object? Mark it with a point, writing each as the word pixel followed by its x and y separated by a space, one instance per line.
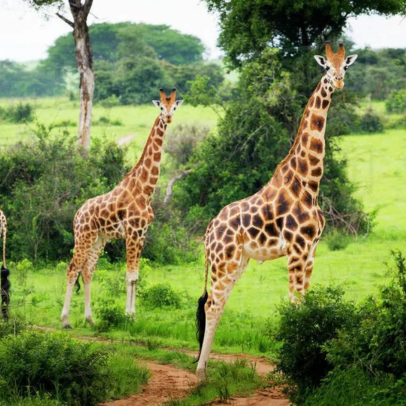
pixel 310 264
pixel 80 257
pixel 223 281
pixel 296 268
pixel 134 245
pixel 87 274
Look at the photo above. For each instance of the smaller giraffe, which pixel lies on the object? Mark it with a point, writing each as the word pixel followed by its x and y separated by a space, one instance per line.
pixel 123 213
pixel 5 283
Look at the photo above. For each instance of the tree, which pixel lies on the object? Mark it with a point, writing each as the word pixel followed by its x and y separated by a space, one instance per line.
pixel 84 59
pixel 248 27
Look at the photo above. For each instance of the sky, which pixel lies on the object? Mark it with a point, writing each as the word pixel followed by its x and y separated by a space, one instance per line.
pixel 25 34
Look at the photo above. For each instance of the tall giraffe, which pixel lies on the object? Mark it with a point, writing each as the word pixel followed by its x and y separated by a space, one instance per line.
pixel 282 219
pixel 5 283
pixel 123 213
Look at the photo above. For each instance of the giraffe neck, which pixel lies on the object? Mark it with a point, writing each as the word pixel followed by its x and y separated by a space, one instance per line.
pixel 306 157
pixel 148 167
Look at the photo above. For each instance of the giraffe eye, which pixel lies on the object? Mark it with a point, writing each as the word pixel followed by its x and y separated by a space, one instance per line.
pixel 162 108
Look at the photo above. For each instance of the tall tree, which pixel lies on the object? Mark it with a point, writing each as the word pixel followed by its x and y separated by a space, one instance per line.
pixel 80 10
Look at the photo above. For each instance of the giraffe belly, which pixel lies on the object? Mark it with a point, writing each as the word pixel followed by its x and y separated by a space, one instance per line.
pixel 263 253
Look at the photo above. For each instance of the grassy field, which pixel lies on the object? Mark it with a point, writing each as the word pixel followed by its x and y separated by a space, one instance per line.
pixel 375 164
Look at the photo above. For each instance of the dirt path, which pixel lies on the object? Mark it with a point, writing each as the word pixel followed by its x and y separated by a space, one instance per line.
pixel 125 140
pixel 166 383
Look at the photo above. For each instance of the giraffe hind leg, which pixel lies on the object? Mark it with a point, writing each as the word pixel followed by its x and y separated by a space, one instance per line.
pixel 221 287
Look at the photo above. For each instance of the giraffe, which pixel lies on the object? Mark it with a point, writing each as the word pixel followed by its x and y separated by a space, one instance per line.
pixel 282 219
pixel 5 283
pixel 123 213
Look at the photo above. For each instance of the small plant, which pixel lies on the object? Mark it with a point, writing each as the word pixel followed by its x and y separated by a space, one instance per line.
pixel 109 314
pixel 371 122
pixel 161 296
pixel 153 344
pixel 19 113
pixel 337 240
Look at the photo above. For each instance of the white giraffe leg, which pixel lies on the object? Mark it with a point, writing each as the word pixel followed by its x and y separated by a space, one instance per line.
pixel 65 311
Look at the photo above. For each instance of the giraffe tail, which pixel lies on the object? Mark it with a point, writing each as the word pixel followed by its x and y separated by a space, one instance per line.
pixel 5 283
pixel 4 245
pixel 201 314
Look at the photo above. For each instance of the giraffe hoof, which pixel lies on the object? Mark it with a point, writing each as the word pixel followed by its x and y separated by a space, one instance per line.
pixel 201 376
pixel 67 327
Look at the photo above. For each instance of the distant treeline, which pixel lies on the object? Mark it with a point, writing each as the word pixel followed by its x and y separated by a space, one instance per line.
pixel 131 62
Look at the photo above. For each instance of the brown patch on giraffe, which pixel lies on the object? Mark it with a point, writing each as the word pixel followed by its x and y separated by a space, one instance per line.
pixel 305 138
pixel 325 104
pixel 314 186
pixel 262 238
pixel 283 203
pixel 230 249
pixel 271 230
pixel 266 211
pixel 323 93
pixel 288 235
pixel 277 180
pixel 246 220
pixel 313 160
pixel 291 223
pixel 257 221
pixel 296 187
pixel 307 199
pixel 293 163
pixel 155 171
pixel 245 206
pixel 234 223
pixel 330 89
pixel 302 167
pixel 300 214
pixel 253 209
pixel 300 241
pixel 308 231
pixel 311 101
pixel 318 102
pixel 157 156
pixel 317 123
pixel 253 232
pixel 159 132
pixel 316 145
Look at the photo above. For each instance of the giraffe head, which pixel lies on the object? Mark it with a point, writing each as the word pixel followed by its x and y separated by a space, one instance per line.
pixel 335 65
pixel 167 104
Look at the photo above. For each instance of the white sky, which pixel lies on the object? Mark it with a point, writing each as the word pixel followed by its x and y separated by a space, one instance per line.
pixel 25 35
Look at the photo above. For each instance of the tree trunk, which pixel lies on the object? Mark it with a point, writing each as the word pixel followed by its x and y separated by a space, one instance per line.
pixel 84 62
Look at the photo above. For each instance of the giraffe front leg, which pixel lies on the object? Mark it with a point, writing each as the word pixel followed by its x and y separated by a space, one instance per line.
pixel 310 264
pixel 296 269
pixel 134 248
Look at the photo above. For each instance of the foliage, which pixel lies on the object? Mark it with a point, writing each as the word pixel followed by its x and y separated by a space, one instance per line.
pixel 76 373
pixel 396 102
pixel 371 122
pixel 304 329
pixel 247 28
pixel 336 240
pixel 18 113
pixel 109 314
pixel 48 180
pixel 161 295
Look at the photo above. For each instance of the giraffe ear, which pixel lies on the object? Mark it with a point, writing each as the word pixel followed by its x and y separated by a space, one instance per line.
pixel 178 103
pixel 321 60
pixel 350 60
pixel 157 103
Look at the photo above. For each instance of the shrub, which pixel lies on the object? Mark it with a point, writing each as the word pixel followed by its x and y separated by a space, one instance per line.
pixel 109 314
pixel 161 295
pixel 371 122
pixel 54 364
pixel 396 101
pixel 19 113
pixel 336 240
pixel 304 329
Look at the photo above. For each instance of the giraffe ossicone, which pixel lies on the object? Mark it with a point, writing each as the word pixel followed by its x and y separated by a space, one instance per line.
pixel 123 213
pixel 282 219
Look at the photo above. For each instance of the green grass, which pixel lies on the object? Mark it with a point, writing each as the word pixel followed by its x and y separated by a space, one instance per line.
pixel 136 120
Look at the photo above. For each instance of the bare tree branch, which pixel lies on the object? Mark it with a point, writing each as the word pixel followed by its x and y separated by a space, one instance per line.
pixel 87 6
pixel 169 188
pixel 66 20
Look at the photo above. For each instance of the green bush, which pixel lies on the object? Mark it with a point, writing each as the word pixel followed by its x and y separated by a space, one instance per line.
pixel 19 113
pixel 159 296
pixel 396 101
pixel 356 387
pixel 336 240
pixel 109 314
pixel 371 122
pixel 304 329
pixel 54 364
